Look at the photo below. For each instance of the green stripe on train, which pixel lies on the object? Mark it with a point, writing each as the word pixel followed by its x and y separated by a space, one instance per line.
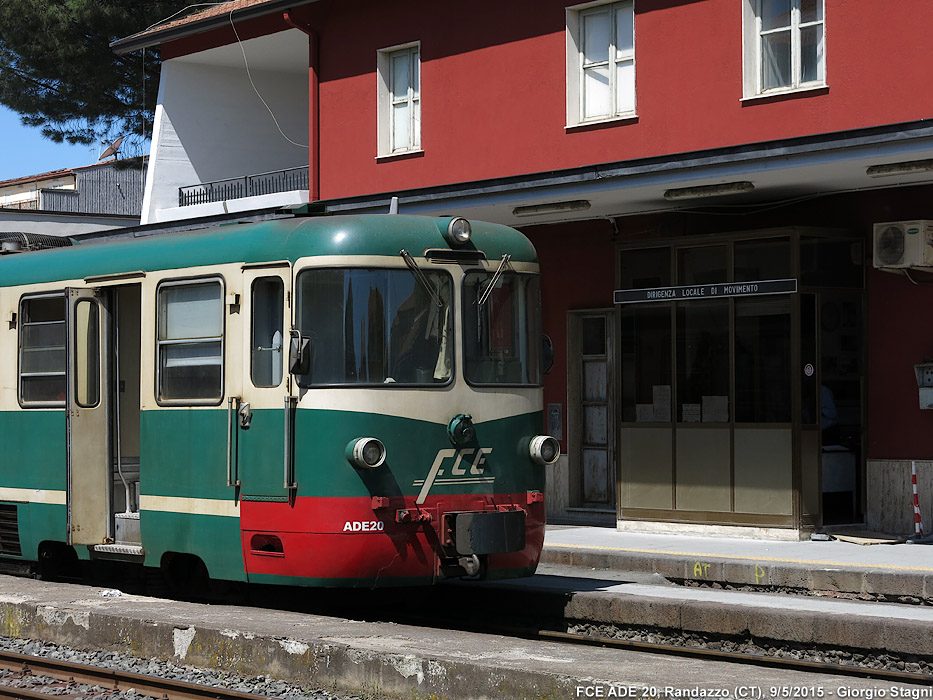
pixel 33 443
pixel 216 540
pixel 282 239
pixel 184 453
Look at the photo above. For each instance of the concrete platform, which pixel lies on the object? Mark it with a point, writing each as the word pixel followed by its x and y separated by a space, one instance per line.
pixel 881 570
pixel 765 619
pixel 378 659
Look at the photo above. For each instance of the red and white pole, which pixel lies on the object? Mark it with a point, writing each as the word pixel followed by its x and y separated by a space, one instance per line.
pixel 918 522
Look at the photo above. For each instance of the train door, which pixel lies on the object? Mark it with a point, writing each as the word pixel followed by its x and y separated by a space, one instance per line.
pixel 124 393
pixel 87 421
pixel 262 417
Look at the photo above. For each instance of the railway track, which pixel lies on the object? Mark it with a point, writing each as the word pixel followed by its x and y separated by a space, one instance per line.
pixel 65 679
pixel 442 616
pixel 69 676
pixel 738 657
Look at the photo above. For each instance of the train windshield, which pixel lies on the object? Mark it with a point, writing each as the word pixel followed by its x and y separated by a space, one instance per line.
pixel 502 328
pixel 376 326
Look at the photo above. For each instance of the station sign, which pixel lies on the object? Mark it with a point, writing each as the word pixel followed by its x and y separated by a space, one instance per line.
pixel 705 291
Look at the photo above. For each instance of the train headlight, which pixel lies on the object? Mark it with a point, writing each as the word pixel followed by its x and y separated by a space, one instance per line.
pixel 458 231
pixel 366 452
pixel 460 429
pixel 544 449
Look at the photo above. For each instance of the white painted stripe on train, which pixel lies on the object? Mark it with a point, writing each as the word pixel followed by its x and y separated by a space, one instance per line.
pixel 46 496
pixel 190 506
pixel 457 480
pixel 429 405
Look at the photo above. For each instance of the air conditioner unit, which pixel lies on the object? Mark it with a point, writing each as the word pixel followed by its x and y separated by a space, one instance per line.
pixel 903 244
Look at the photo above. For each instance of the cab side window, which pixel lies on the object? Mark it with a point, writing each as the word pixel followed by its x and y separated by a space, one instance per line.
pixel 267 332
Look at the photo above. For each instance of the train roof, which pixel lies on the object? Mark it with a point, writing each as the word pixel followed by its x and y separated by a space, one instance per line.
pixel 267 241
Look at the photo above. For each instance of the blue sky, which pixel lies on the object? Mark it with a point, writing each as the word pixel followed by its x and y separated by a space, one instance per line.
pixel 24 151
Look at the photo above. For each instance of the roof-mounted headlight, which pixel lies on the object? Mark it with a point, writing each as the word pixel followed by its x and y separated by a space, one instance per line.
pixel 458 231
pixel 544 449
pixel 366 452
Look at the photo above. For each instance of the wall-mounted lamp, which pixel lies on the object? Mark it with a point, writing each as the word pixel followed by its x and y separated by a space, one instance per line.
pixel 908 167
pixel 551 208
pixel 708 190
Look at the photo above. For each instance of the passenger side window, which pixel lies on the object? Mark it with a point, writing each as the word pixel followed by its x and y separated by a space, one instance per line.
pixel 267 332
pixel 42 351
pixel 190 341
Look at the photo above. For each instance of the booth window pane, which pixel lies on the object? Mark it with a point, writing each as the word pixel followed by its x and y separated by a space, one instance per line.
pixel 767 259
pixel 762 360
pixel 809 411
pixel 641 269
pixel 646 363
pixel 828 262
pixel 703 361
pixel 594 335
pixel 703 265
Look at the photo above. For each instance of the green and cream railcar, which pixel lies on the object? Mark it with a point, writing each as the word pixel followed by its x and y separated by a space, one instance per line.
pixel 314 401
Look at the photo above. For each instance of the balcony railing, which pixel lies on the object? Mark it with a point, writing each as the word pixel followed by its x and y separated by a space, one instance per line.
pixel 247 186
pixel 21 204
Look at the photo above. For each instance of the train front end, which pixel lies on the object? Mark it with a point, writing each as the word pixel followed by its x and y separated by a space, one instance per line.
pixel 419 451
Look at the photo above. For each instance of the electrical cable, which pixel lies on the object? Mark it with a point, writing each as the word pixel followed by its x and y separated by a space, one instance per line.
pixel 245 62
pixel 256 90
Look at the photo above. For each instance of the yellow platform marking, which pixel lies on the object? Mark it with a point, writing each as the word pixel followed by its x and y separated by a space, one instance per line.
pixel 695 555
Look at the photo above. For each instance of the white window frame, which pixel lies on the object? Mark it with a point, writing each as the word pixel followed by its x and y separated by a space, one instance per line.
pixel 387 100
pixel 575 65
pixel 205 340
pixel 752 53
pixel 24 348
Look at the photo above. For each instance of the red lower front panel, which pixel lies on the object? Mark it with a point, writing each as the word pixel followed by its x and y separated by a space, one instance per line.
pixel 373 539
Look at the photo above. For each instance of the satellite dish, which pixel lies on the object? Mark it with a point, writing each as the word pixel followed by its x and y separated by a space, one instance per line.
pixel 113 149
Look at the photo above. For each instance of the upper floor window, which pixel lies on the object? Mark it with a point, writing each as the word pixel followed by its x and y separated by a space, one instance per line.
pixel 785 45
pixel 600 62
pixel 399 122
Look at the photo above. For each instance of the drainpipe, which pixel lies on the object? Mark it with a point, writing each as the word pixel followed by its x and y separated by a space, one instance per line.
pixel 314 110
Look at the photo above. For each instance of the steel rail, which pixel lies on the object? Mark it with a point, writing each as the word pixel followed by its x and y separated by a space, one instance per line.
pixel 7 691
pixel 739 657
pixel 113 680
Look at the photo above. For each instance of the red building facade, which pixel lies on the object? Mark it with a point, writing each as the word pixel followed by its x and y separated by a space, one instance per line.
pixel 654 144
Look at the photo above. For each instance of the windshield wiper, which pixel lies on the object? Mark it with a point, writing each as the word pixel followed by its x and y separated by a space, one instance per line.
pixel 495 278
pixel 420 276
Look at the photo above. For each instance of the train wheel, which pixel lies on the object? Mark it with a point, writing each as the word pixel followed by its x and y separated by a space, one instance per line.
pixel 186 576
pixel 58 561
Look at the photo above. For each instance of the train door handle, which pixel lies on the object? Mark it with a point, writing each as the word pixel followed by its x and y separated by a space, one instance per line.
pixel 233 403
pixel 245 415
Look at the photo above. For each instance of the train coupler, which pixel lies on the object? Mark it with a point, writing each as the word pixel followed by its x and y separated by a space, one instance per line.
pixel 409 516
pixel 458 567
